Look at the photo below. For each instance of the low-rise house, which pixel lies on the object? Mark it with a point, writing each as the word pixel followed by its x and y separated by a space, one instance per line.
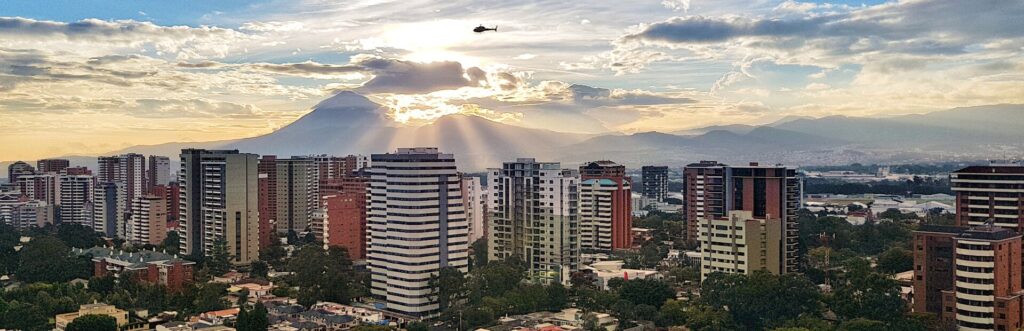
pixel 608 270
pixel 62 320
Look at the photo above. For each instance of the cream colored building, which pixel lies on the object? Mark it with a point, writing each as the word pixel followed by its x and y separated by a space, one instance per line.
pixel 219 201
pixel 534 217
pixel 740 243
pixel 62 320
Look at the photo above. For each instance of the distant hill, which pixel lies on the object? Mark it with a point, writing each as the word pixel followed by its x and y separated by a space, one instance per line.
pixel 348 123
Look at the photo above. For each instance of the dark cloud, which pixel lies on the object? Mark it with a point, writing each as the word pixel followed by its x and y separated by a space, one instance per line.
pixel 913 27
pixel 601 97
pixel 309 69
pixel 400 76
pixel 201 65
pixel 95 29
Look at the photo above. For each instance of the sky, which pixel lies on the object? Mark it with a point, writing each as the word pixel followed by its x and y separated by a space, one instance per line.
pixel 90 77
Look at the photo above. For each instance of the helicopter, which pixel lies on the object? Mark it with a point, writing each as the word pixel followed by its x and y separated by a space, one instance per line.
pixel 482 28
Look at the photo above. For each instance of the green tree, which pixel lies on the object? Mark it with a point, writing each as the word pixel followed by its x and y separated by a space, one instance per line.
pixel 171 243
pixel 479 258
pixel 77 235
pixel 93 323
pixel 219 262
pixel 705 318
pixel 46 259
pixel 865 294
pixel 862 324
pixel 761 300
pixel 259 269
pixel 448 287
pixel 895 260
pixel 650 292
pixel 254 319
pixel 24 316
pixel 672 313
pixel 417 326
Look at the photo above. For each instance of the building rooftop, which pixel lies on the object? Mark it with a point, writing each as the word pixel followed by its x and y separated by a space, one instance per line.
pixel 993 169
pixel 988 232
pixel 130 260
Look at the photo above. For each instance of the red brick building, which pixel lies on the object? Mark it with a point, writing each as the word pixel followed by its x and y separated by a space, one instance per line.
pixel 621 225
pixel 148 266
pixel 344 219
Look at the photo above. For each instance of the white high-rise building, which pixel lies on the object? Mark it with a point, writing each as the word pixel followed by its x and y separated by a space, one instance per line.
pixel 42 187
pixel 474 196
pixel 76 193
pixel 219 201
pixel 416 226
pixel 159 171
pixel 127 169
pixel 534 217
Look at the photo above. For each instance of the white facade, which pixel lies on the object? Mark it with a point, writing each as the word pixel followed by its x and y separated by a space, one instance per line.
pixel 129 170
pixel 596 214
pixel 416 225
pixel 534 218
pixel 159 170
pixel 42 187
pixel 76 193
pixel 739 243
pixel 474 196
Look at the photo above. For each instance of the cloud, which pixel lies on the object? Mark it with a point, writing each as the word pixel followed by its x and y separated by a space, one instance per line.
pixel 677 5
pixel 183 41
pixel 405 77
pixel 272 26
pixel 189 108
pixel 310 69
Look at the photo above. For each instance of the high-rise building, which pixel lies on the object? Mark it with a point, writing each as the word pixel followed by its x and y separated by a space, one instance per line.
pixel 741 243
pixel 77 171
pixel 52 165
pixel 297 194
pixel 474 198
pixel 534 217
pixel 344 223
pixel 127 169
pixel 606 209
pixel 18 169
pixel 655 180
pixel 769 192
pixel 219 202
pixel 705 194
pixel 416 226
pixel 42 187
pixel 987 293
pixel 933 265
pixel 158 172
pixel 76 193
pixel 172 197
pixel 109 209
pixel 148 222
pixel 33 213
pixel 267 187
pixel 990 192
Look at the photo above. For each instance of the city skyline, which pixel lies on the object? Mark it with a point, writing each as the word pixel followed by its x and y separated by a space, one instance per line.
pixel 93 78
